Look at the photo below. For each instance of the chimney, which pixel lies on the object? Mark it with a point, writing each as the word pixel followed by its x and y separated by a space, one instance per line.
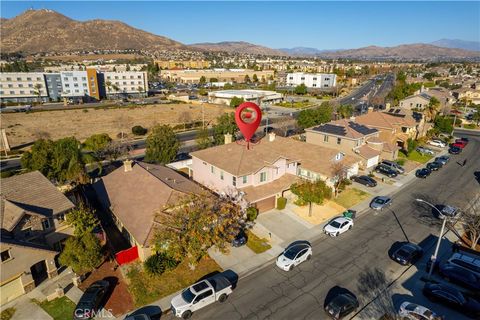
pixel 370 109
pixel 271 136
pixel 127 165
pixel 228 138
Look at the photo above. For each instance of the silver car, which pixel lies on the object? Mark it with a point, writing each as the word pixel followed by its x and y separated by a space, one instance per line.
pixel 380 202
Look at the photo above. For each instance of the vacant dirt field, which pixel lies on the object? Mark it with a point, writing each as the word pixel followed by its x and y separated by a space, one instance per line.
pixel 26 127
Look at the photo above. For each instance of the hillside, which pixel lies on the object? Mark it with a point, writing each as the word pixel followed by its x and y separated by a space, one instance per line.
pixel 238 47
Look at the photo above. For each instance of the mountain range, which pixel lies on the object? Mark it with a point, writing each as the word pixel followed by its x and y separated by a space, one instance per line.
pixel 45 30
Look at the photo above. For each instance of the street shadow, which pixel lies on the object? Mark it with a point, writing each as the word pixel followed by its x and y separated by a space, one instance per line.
pixel 477 176
pixel 400 225
pixel 153 312
pixel 335 291
pixel 423 213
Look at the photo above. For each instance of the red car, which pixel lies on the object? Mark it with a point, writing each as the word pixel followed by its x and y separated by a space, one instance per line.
pixel 459 144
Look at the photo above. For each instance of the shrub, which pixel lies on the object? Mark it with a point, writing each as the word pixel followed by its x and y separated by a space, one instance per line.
pixel 139 130
pixel 252 213
pixel 343 184
pixel 281 203
pixel 159 263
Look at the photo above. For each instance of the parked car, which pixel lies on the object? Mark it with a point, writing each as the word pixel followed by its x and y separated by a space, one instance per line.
pixel 240 239
pixel 454 150
pixel 424 150
pixel 466 261
pixel 338 226
pixel 437 143
pixel 464 277
pixel 380 202
pixel 450 296
pixel 442 159
pixel 341 306
pixel 423 173
pixel 434 166
pixel 465 139
pixel 201 294
pixel 91 300
pixel 142 316
pixel 386 171
pixel 407 254
pixel 459 144
pixel 412 311
pixel 393 165
pixel 365 180
pixel 294 255
pixel 446 210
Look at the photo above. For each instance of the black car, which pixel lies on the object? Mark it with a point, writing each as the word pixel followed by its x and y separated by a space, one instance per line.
pixel 464 139
pixel 434 166
pixel 407 253
pixel 386 171
pixel 91 300
pixel 240 239
pixel 454 150
pixel 341 306
pixel 423 173
pixel 268 129
pixel 448 295
pixel 365 180
pixel 461 276
pixel 442 159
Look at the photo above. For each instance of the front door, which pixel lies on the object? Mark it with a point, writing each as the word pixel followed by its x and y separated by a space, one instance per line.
pixel 39 272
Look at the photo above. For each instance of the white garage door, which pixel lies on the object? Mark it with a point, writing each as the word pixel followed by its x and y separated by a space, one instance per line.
pixel 11 290
pixel 372 162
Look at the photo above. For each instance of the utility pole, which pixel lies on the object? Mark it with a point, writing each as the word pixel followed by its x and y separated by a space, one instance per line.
pixel 203 116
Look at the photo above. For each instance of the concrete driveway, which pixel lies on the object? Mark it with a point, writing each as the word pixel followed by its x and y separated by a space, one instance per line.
pixel 284 225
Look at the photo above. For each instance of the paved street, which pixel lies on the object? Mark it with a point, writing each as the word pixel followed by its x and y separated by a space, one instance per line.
pixel 273 294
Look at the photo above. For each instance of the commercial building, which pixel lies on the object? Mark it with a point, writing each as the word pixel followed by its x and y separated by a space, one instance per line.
pixel 74 84
pixel 312 80
pixel 54 86
pixel 257 96
pixel 23 87
pixel 129 83
pixel 215 75
pixel 187 64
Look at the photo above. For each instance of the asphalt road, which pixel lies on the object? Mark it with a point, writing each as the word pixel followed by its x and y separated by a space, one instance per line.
pixel 271 293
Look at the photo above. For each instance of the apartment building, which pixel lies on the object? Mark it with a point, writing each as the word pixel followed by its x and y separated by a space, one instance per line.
pixel 186 64
pixel 74 84
pixel 23 87
pixel 128 83
pixel 312 80
pixel 54 85
pixel 215 75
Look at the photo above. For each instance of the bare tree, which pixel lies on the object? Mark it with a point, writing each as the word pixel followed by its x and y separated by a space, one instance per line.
pixel 184 118
pixel 469 221
pixel 121 122
pixel 284 124
pixel 340 172
pixel 114 150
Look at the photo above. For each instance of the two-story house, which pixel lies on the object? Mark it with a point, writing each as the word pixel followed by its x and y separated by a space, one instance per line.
pixel 33 228
pixel 267 169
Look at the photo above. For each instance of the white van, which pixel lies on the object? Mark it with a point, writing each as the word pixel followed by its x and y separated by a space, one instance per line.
pixel 466 261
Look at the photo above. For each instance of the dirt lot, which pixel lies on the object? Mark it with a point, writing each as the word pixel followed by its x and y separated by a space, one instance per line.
pixel 26 127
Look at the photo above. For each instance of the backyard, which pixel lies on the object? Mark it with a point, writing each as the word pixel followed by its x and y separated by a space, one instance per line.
pixel 59 308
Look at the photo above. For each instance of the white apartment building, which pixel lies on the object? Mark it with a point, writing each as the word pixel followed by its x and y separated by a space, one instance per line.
pixel 128 82
pixel 312 80
pixel 74 83
pixel 23 87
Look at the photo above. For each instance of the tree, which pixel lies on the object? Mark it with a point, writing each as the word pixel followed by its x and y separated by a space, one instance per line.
pixel 432 107
pixel 139 130
pixel 340 172
pixel 82 219
pixel 476 117
pixel 345 111
pixel 246 79
pixel 311 117
pixel 195 223
pixel 127 68
pixel 311 192
pixel 39 157
pixel 443 124
pixel 235 102
pixel 301 89
pixel 411 145
pixel 255 78
pixel 140 90
pixel 225 124
pixel 469 220
pixel 83 253
pixel 203 80
pixel 203 139
pixel 38 90
pixel 114 150
pixel 162 145
pixel 97 142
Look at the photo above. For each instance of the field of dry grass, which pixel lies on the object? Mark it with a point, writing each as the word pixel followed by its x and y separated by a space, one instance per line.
pixel 26 127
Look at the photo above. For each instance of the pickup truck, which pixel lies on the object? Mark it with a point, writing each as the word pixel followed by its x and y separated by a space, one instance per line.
pixel 201 294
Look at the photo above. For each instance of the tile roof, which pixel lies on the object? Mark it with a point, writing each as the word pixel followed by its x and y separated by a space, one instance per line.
pixel 136 196
pixel 32 193
pixel 346 128
pixel 253 194
pixel 367 153
pixel 385 120
pixel 237 160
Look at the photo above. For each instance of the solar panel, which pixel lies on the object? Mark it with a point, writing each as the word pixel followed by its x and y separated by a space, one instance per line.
pixel 333 129
pixel 361 128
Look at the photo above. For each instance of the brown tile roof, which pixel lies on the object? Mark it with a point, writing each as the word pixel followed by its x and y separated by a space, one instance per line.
pixel 237 160
pixel 385 120
pixel 135 196
pixel 367 152
pixel 33 193
pixel 253 194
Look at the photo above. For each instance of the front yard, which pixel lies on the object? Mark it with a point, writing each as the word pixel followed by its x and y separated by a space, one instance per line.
pixel 350 197
pixel 146 289
pixel 59 308
pixel 257 244
pixel 415 156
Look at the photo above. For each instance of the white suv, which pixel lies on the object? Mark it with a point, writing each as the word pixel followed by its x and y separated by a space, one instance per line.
pixel 465 261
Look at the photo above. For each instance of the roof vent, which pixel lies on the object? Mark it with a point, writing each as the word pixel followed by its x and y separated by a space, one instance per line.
pixel 127 165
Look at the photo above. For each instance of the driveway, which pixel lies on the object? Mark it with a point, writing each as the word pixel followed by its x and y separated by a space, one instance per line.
pixel 284 225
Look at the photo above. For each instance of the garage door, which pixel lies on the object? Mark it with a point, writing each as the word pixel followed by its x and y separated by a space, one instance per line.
pixel 11 290
pixel 265 204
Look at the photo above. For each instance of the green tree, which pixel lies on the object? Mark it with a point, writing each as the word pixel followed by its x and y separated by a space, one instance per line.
pixel 225 124
pixel 203 139
pixel 476 116
pixel 311 192
pixel 345 111
pixel 203 80
pixel 38 90
pixel 443 124
pixel 301 89
pixel 235 102
pixel 432 107
pixel 139 130
pixel 39 157
pixel 194 224
pixel 82 219
pixel 97 142
pixel 311 117
pixel 255 78
pixel 246 79
pixel 83 253
pixel 162 145
pixel 411 145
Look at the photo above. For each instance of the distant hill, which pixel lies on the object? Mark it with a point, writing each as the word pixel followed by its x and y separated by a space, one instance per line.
pixel 48 31
pixel 458 44
pixel 238 47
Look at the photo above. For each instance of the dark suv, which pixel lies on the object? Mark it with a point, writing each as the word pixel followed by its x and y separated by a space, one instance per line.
pixel 386 171
pixel 91 300
pixel 365 180
pixel 341 306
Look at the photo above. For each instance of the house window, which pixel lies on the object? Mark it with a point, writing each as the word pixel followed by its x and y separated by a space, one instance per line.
pixel 212 169
pixel 46 224
pixel 234 181
pixel 6 255
pixel 74 78
pixel 84 79
pixel 263 176
pixel 339 140
pixel 244 179
pixel 221 175
pixel 325 138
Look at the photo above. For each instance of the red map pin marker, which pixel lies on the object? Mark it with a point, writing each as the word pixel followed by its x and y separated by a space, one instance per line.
pixel 248 116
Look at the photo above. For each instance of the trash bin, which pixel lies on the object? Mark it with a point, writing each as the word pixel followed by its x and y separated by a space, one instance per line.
pixel 350 214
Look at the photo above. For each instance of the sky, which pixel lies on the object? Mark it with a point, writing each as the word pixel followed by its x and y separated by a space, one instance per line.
pixel 318 24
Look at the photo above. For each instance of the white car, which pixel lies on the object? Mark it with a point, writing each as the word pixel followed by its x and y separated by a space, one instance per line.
pixel 414 311
pixel 338 226
pixel 437 143
pixel 294 255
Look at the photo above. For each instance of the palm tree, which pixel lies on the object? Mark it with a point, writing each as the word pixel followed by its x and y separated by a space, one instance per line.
pixel 140 90
pixel 432 108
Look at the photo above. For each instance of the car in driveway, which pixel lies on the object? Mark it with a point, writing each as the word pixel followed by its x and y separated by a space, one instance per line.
pixel 423 173
pixel 365 180
pixel 433 166
pixel 240 239
pixel 459 144
pixel 461 276
pixel 442 159
pixel 393 165
pixel 380 202
pixel 294 255
pixel 437 143
pixel 454 150
pixel 91 300
pixel 424 150
pixel 386 171
pixel 342 305
pixel 412 311
pixel 338 226
pixel 450 296
pixel 407 254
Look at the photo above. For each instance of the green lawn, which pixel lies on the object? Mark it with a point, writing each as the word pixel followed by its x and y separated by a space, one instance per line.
pixel 7 314
pixel 257 244
pixel 415 156
pixel 59 308
pixel 350 197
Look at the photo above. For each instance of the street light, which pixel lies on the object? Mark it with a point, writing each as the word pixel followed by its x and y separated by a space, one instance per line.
pixel 434 257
